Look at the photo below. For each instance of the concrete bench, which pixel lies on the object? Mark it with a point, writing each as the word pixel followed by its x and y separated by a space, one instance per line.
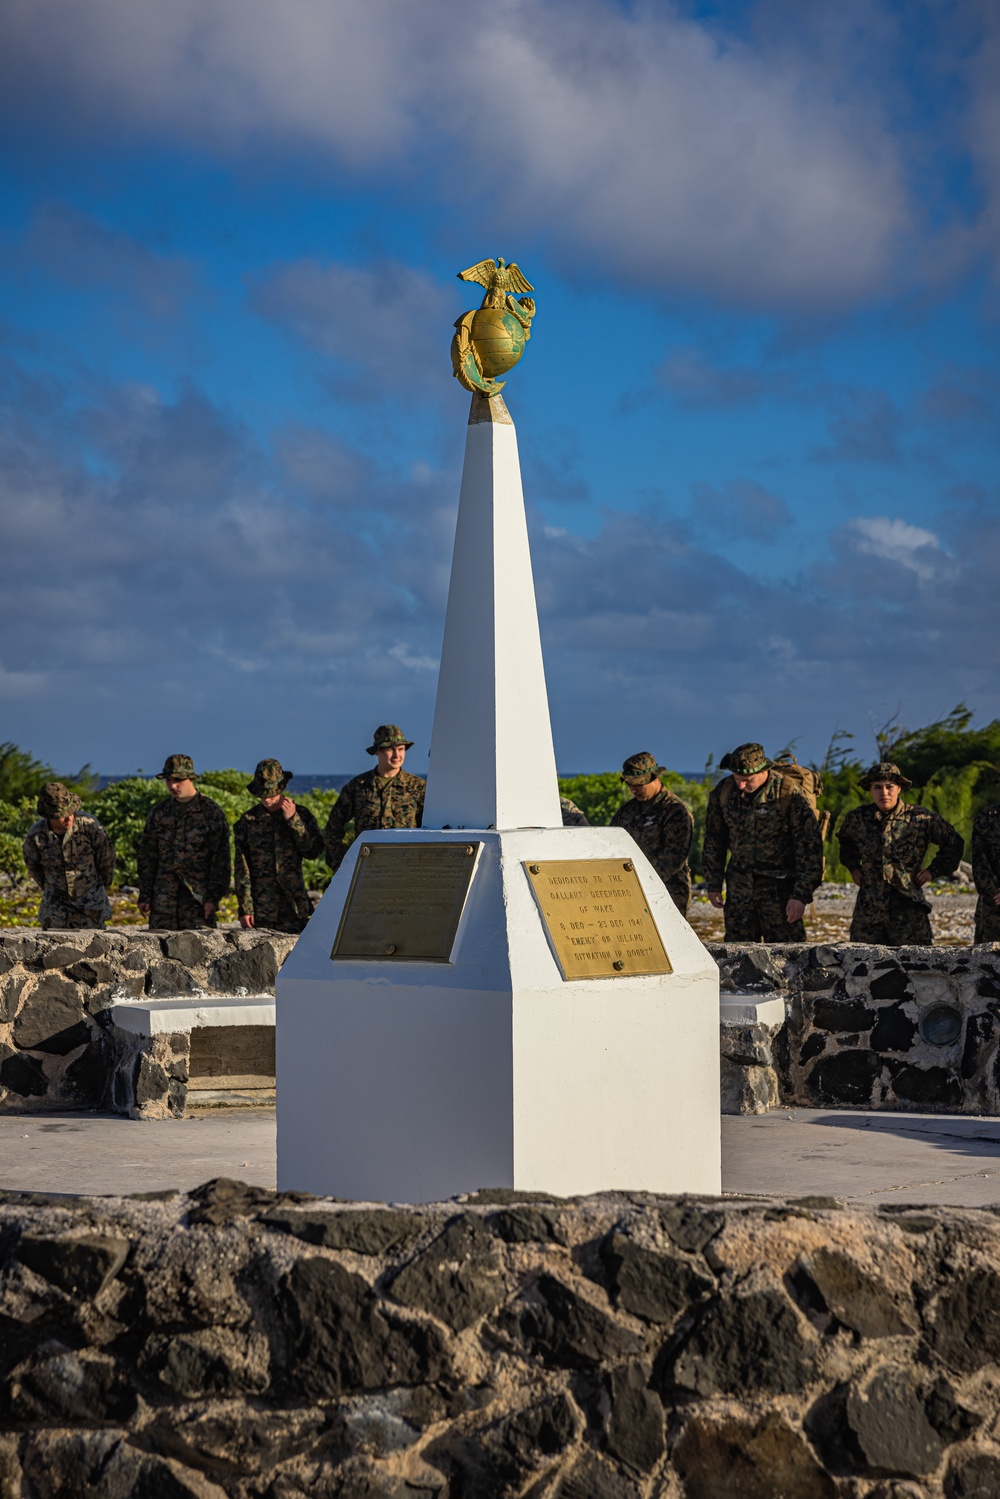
pixel 212 1052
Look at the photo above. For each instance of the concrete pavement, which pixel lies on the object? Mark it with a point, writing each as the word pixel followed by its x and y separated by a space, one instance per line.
pixel 850 1155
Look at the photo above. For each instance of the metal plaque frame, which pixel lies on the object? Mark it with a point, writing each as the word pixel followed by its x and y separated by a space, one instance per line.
pixel 598 919
pixel 405 902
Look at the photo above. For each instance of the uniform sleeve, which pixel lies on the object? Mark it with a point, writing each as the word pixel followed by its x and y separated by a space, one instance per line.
pixel 713 855
pixel 33 862
pixel 951 847
pixel 341 814
pixel 421 792
pixel 808 845
pixel 985 869
pixel 850 852
pixel 305 830
pixel 148 857
pixel 104 853
pixel 678 831
pixel 244 895
pixel 220 864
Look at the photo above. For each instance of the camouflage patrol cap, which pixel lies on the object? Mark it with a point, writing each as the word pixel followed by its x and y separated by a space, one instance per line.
pixel 269 778
pixel 748 760
pixel 885 770
pixel 387 735
pixel 177 768
pixel 639 769
pixel 56 800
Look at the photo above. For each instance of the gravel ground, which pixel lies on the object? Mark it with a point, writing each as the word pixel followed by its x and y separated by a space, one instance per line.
pixel 828 919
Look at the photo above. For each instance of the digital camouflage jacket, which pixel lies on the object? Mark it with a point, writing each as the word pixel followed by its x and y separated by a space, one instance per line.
pixel 372 801
pixel 768 835
pixel 889 848
pixel 183 859
pixel 986 872
pixel 73 870
pixel 663 828
pixel 269 852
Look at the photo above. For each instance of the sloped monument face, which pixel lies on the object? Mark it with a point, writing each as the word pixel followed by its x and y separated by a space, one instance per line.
pixel 495 1000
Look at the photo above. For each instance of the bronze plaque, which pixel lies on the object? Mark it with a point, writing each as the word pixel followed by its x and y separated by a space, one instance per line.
pixel 405 901
pixel 597 918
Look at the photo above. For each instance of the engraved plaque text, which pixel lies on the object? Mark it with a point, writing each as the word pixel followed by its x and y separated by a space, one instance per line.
pixel 597 918
pixel 405 901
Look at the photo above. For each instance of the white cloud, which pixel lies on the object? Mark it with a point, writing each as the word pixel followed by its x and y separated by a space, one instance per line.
pixel 898 541
pixel 374 320
pixel 639 141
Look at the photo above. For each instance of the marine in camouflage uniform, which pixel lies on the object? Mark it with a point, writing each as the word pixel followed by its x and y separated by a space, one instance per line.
pixel 774 846
pixel 572 817
pixel 376 799
pixel 884 848
pixel 271 840
pixel 986 872
pixel 660 824
pixel 72 863
pixel 183 857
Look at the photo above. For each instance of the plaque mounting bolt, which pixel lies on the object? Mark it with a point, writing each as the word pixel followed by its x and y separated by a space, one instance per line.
pixel 627 864
pixel 534 868
pixel 618 965
pixel 469 849
pixel 390 948
pixel 366 850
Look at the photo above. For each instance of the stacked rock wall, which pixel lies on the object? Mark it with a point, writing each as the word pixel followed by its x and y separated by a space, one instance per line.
pixel 57 1049
pixel 866 1027
pixel 236 1342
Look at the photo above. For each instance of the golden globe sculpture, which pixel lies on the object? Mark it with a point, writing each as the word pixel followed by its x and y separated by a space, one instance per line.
pixel 489 341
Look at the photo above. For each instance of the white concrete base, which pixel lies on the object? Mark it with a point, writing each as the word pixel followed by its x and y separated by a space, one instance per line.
pixel 751 1009
pixel 155 1017
pixel 416 1081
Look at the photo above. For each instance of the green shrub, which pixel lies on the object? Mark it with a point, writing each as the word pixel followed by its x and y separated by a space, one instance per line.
pixel 15 820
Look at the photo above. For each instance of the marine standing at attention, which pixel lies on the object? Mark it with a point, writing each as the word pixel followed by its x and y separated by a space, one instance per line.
pixel 884 846
pixel 775 849
pixel 271 841
pixel 386 797
pixel 986 872
pixel 71 858
pixel 184 861
pixel 660 823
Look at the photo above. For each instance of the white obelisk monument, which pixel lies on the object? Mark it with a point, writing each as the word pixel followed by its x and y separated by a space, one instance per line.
pixel 494 999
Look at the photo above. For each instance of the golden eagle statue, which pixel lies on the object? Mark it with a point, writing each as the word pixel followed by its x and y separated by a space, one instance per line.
pixel 490 341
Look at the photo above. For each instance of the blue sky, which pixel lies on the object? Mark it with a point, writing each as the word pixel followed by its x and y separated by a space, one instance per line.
pixel 758 416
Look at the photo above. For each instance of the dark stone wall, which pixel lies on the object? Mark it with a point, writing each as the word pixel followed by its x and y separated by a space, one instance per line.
pixel 237 1342
pixel 872 1027
pixel 57 1049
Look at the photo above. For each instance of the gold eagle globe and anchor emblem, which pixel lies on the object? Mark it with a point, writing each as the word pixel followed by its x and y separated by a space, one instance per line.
pixel 490 341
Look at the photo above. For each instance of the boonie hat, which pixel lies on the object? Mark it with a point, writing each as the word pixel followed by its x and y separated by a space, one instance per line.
pixel 269 778
pixel 639 769
pixel 385 736
pixel 885 770
pixel 177 768
pixel 748 760
pixel 56 800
